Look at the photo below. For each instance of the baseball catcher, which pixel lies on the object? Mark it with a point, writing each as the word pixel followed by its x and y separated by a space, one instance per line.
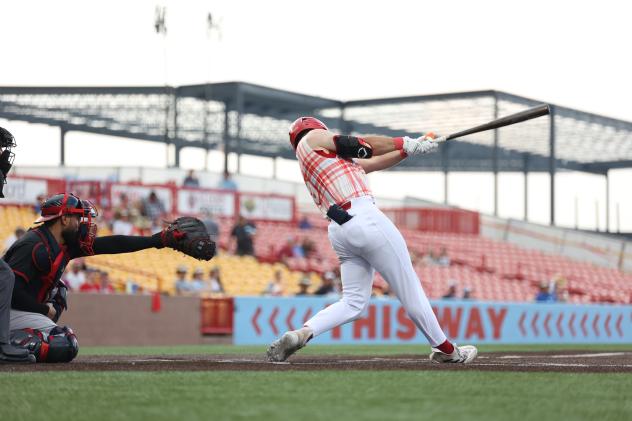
pixel 66 231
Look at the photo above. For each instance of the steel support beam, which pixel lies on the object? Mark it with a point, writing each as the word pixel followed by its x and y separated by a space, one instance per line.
pixel 239 107
pixel 445 161
pixel 525 172
pixel 174 137
pixel 552 162
pixel 495 158
pixel 62 146
pixel 607 202
pixel 226 136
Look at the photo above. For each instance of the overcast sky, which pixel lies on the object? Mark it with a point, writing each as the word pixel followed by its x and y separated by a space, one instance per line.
pixel 571 53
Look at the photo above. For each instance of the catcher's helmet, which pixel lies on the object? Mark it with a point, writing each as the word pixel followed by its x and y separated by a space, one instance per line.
pixel 301 126
pixel 69 204
pixel 65 204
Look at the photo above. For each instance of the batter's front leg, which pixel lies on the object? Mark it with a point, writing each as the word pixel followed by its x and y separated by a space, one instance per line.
pixel 357 280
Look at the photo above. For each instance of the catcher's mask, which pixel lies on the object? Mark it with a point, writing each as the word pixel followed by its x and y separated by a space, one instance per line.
pixel 68 204
pixel 7 141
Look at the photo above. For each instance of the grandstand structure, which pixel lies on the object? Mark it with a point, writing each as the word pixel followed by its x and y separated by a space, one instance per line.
pixel 243 118
pixel 247 119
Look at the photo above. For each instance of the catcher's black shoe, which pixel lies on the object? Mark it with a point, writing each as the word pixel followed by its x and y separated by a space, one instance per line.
pixel 10 354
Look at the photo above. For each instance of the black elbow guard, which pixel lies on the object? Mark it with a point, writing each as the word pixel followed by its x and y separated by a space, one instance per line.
pixel 352 147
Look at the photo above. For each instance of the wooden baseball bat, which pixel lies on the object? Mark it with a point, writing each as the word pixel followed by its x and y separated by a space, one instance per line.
pixel 525 115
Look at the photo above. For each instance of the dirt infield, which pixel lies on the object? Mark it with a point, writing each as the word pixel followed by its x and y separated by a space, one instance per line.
pixel 567 361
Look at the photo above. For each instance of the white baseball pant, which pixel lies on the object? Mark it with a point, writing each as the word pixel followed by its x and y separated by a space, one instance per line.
pixel 369 242
pixel 28 320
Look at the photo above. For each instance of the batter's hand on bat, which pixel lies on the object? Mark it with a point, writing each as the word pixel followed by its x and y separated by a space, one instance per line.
pixel 419 145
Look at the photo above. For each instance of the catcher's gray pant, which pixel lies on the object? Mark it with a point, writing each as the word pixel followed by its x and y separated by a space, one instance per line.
pixel 7 279
pixel 27 320
pixel 369 242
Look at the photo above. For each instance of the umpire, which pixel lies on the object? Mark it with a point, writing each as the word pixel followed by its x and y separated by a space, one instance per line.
pixel 8 353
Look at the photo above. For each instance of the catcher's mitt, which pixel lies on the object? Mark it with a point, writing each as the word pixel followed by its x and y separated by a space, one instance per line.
pixel 188 235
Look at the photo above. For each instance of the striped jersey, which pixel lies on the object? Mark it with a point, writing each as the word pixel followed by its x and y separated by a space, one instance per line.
pixel 329 178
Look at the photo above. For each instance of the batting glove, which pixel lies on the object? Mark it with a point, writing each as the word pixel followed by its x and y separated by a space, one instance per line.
pixel 419 145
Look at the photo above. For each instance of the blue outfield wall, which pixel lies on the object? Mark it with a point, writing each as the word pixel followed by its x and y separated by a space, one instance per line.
pixel 261 320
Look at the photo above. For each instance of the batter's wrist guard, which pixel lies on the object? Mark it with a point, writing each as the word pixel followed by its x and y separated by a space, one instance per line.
pixel 398 142
pixel 352 147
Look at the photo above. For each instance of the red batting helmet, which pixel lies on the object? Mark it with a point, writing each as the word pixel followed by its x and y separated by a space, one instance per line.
pixel 301 126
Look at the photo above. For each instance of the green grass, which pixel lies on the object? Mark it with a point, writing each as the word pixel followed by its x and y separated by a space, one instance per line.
pixel 325 395
pixel 328 395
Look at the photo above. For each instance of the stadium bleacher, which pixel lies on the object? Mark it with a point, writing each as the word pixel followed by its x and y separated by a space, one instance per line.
pixel 493 270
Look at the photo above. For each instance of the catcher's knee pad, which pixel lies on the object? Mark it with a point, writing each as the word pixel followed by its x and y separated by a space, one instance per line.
pixel 30 339
pixel 60 346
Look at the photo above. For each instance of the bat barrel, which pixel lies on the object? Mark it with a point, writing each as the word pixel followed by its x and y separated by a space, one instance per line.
pixel 519 117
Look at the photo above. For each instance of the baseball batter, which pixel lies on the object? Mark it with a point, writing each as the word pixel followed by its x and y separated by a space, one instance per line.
pixel 334 168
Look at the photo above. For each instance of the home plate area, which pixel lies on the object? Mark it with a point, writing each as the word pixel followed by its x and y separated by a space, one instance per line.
pixel 566 361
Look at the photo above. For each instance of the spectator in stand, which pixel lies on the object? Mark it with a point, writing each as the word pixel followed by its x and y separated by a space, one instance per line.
pixel 76 277
pixel 215 284
pixel 451 294
pixel 124 205
pixel 153 207
pixel 227 183
pixel 132 287
pixel 133 210
pixel 211 226
pixel 191 180
pixel 122 224
pixel 297 249
pixel 19 232
pixel 286 251
pixel 558 287
pixel 93 283
pixel 105 286
pixel 275 287
pixel 243 232
pixel 443 259
pixel 197 282
pixel 308 247
pixel 467 293
pixel 37 207
pixel 327 284
pixel 303 284
pixel 544 294
pixel 181 284
pixel 430 259
pixel 304 223
pixel 157 224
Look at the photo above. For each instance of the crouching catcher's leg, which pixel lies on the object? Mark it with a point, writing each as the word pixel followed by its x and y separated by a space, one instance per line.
pixel 59 346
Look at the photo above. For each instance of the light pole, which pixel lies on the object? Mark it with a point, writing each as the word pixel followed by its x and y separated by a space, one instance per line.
pixel 160 26
pixel 211 27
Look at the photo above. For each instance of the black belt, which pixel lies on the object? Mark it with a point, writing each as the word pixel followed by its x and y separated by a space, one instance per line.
pixel 339 214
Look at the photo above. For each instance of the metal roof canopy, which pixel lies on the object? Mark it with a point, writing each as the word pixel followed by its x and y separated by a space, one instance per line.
pixel 250 119
pixel 255 119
